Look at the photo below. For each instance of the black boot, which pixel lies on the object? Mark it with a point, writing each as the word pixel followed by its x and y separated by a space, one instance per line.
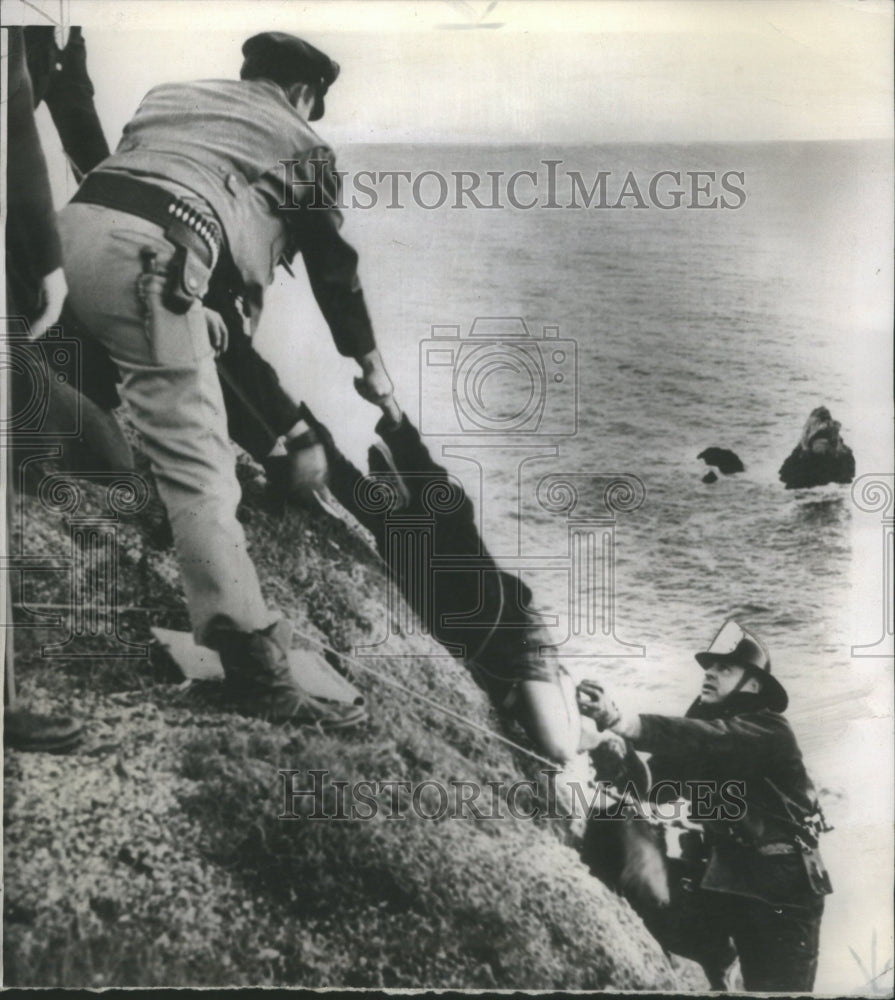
pixel 257 674
pixel 24 730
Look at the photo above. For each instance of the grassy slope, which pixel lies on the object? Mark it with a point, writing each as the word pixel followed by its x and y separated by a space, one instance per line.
pixel 154 856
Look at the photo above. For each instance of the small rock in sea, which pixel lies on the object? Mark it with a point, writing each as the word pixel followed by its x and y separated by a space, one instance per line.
pixel 710 477
pixel 725 461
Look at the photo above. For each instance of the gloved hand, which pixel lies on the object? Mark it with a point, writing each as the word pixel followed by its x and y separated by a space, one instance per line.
pixel 217 331
pixel 594 703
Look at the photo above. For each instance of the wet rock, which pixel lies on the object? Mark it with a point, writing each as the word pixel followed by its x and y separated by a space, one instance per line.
pixel 725 461
pixel 820 457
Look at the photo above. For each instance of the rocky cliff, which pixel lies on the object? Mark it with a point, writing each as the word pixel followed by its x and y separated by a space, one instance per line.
pixel 154 854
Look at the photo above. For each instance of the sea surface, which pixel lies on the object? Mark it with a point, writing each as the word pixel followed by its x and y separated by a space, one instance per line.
pixel 690 328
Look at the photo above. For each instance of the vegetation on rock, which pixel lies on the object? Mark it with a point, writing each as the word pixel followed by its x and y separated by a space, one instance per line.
pixel 154 854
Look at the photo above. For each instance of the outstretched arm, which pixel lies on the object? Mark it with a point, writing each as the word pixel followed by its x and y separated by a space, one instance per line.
pixel 331 262
pixel 754 737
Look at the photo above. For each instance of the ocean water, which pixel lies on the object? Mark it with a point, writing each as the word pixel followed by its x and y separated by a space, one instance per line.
pixel 691 328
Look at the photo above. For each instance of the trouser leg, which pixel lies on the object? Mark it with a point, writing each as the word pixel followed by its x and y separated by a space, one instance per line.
pixel 171 386
pixel 170 383
pixel 346 480
pixel 693 923
pixel 194 466
pixel 259 410
pixel 777 945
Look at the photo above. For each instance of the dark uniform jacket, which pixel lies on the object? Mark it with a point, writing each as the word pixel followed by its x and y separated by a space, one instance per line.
pixel 765 851
pixel 225 140
pixel 59 77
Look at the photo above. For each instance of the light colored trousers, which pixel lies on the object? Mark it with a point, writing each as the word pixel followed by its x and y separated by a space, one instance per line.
pixel 170 382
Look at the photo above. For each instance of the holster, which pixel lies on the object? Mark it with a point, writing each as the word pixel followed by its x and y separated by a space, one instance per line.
pixel 194 257
pixel 187 275
pixel 818 876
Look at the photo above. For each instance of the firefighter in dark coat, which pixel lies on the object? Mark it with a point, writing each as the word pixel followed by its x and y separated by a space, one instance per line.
pixel 762 883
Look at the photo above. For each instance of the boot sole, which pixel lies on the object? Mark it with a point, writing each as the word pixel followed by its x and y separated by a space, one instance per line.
pixel 61 745
pixel 325 724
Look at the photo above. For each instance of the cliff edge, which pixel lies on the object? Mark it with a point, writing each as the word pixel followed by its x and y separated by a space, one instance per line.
pixel 153 855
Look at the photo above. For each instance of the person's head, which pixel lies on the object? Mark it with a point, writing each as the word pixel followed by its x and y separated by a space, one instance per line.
pixel 738 661
pixel 821 432
pixel 303 72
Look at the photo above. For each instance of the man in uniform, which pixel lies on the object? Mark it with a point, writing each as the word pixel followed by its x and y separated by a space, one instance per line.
pixel 764 883
pixel 262 418
pixel 198 183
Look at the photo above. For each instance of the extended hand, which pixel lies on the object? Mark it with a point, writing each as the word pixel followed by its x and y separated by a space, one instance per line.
pixel 53 292
pixel 374 384
pixel 609 757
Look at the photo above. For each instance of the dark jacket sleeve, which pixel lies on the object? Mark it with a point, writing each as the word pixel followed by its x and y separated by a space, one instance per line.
pixel 70 101
pixel 31 236
pixel 740 741
pixel 330 261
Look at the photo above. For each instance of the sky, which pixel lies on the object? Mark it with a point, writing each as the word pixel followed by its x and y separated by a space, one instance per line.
pixel 618 71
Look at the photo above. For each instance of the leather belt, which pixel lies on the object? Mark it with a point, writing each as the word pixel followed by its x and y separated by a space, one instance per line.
pixel 778 848
pixel 182 224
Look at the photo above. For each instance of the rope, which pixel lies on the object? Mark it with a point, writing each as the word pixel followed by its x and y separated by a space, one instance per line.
pixel 462 719
pixel 450 713
pixel 390 681
pixel 484 730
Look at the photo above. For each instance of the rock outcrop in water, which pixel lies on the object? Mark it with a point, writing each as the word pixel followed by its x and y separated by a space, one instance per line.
pixel 725 461
pixel 820 457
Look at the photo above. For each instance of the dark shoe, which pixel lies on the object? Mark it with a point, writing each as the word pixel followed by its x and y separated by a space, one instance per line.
pixel 258 676
pixel 29 731
pixel 297 476
pixel 291 703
